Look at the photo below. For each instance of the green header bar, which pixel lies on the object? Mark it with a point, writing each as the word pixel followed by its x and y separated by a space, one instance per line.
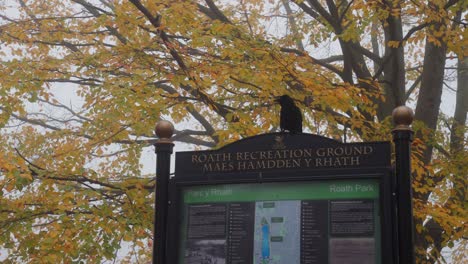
pixel 330 189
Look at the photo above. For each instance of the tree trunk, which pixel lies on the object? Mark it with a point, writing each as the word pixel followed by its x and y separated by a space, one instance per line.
pixel 427 112
pixel 393 68
pixel 461 107
pixel 427 108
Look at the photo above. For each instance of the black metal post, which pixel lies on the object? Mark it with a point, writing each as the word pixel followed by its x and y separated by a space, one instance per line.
pixel 402 138
pixel 163 149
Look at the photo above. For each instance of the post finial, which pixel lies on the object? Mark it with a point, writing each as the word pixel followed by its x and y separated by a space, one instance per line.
pixel 164 130
pixel 403 117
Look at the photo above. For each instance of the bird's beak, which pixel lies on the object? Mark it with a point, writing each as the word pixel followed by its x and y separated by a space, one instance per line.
pixel 277 99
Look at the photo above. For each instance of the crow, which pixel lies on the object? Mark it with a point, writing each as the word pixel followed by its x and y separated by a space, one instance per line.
pixel 290 115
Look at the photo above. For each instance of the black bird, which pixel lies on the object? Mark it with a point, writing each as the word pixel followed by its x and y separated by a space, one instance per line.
pixel 290 115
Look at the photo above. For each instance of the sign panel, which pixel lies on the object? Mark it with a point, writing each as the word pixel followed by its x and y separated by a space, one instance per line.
pixel 289 222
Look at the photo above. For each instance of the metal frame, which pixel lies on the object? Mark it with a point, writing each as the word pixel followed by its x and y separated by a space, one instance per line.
pixel 397 227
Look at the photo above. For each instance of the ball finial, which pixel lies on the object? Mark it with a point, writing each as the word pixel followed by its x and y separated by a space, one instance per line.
pixel 402 117
pixel 164 130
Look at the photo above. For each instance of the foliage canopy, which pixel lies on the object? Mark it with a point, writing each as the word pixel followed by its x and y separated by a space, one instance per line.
pixel 71 182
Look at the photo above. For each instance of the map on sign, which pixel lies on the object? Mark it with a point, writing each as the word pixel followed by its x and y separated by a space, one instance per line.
pixel 277 232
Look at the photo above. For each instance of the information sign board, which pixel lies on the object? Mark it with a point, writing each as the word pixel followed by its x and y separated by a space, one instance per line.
pixel 330 205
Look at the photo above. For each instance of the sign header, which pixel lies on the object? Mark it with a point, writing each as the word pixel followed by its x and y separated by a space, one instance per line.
pixel 282 152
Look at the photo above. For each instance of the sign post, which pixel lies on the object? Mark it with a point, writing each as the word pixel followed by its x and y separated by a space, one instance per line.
pixel 402 138
pixel 163 149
